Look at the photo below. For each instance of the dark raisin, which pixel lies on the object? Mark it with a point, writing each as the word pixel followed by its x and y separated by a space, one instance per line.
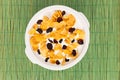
pixel 59 19
pixel 50 40
pixel 63 13
pixel 49 29
pixel 39 21
pixel 57 62
pixel 72 41
pixel 49 46
pixel 60 41
pixel 66 60
pixel 80 41
pixel 38 51
pixel 46 59
pixel 71 30
pixel 64 47
pixel 74 52
pixel 55 41
pixel 39 30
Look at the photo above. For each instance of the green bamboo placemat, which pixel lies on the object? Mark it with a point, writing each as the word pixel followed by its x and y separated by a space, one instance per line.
pixel 102 61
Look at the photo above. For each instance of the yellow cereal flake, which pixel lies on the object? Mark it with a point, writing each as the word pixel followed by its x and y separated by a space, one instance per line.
pixel 67 40
pixel 59 55
pixel 70 20
pixel 56 14
pixel 57 47
pixel 53 61
pixel 32 31
pixel 45 18
pixel 35 47
pixel 35 26
pixel 80 32
pixel 66 51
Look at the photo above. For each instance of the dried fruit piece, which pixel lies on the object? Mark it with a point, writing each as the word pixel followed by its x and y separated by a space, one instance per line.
pixel 64 47
pixel 71 30
pixel 63 13
pixel 39 21
pixel 39 30
pixel 50 40
pixel 55 41
pixel 57 62
pixel 49 29
pixel 74 52
pixel 38 51
pixel 60 41
pixel 49 46
pixel 80 41
pixel 72 40
pixel 59 19
pixel 46 59
pixel 66 60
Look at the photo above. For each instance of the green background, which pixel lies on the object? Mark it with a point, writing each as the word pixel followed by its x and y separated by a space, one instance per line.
pixel 102 61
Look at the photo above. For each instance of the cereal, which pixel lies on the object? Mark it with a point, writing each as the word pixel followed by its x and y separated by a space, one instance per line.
pixel 55 38
pixel 32 31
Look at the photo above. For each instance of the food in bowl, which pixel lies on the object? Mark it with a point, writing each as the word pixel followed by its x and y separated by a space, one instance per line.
pixel 56 39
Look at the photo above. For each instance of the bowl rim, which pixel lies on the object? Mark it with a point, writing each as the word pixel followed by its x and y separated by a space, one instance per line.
pixel 33 58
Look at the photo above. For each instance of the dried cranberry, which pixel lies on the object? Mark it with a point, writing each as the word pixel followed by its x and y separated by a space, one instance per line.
pixel 60 41
pixel 64 47
pixel 39 30
pixel 57 62
pixel 39 21
pixel 80 41
pixel 49 29
pixel 59 19
pixel 63 13
pixel 66 60
pixel 46 59
pixel 74 52
pixel 50 40
pixel 72 40
pixel 55 41
pixel 49 46
pixel 38 51
pixel 71 30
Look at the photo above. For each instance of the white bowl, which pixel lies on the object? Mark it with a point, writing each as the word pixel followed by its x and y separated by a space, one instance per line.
pixel 81 22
